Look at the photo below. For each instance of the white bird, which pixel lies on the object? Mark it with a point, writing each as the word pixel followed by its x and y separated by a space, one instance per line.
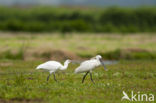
pixel 53 66
pixel 88 65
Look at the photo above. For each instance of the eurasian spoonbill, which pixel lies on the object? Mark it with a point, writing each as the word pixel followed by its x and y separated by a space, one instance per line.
pixel 88 65
pixel 53 66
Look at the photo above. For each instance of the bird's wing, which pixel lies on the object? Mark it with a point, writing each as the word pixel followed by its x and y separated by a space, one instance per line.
pixel 84 62
pixel 84 66
pixel 49 65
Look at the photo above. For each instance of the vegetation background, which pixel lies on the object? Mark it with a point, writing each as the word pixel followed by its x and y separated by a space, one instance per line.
pixel 54 19
pixel 31 34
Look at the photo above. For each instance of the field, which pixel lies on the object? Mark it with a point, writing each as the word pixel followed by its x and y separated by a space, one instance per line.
pixel 30 46
pixel 20 83
pixel 21 52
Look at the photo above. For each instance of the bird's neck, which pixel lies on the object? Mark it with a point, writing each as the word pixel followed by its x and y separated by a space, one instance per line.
pixel 97 63
pixel 64 67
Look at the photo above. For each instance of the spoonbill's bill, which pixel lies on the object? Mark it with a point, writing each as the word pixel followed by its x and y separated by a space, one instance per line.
pixel 88 65
pixel 53 66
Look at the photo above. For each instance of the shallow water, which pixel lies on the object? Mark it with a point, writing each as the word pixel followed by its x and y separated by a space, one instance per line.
pixel 107 62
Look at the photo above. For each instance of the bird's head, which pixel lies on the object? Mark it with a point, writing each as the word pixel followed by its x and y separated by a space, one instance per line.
pixel 99 57
pixel 68 61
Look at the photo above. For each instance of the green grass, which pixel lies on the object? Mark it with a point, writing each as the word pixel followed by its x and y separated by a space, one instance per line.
pixel 20 82
pixel 28 84
pixel 83 45
pixel 44 45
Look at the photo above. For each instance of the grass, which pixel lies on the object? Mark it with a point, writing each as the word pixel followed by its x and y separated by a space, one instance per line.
pixel 83 45
pixel 20 82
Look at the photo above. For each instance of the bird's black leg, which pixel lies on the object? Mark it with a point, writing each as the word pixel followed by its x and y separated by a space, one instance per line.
pixel 54 77
pixel 84 77
pixel 91 77
pixel 48 77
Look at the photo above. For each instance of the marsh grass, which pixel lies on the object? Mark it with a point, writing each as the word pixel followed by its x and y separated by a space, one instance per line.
pixel 8 54
pixel 129 54
pixel 45 45
pixel 108 87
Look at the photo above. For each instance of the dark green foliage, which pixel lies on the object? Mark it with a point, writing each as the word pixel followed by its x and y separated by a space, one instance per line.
pixel 46 55
pixel 129 20
pixel 129 55
pixel 118 54
pixel 19 55
pixel 85 55
pixel 47 19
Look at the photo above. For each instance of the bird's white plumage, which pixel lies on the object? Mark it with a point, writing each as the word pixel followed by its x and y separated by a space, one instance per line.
pixel 88 65
pixel 52 66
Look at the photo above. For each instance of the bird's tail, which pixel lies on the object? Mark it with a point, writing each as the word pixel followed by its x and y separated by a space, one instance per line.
pixel 76 71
